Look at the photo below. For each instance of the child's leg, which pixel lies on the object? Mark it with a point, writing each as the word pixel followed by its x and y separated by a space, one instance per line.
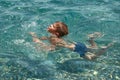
pixel 92 37
pixel 92 56
pixel 92 43
pixel 103 49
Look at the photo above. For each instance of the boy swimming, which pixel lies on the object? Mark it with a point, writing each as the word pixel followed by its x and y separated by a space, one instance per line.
pixel 60 29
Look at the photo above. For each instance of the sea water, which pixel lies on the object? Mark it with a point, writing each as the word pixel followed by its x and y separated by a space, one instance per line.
pixel 19 58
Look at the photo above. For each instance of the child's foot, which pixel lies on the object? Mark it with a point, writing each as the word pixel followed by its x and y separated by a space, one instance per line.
pixel 109 45
pixel 95 35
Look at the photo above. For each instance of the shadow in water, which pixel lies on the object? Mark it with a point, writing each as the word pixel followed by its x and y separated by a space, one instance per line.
pixel 23 67
pixel 76 65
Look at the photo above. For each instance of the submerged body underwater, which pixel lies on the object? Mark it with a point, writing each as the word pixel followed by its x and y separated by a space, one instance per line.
pixel 20 60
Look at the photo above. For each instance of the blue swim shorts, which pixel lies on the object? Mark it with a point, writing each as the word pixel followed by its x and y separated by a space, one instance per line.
pixel 80 48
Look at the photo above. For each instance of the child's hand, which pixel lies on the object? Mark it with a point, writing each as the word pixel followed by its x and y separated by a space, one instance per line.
pixel 36 40
pixel 43 38
pixel 33 34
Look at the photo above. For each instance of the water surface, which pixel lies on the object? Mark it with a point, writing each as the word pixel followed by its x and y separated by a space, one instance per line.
pixel 19 59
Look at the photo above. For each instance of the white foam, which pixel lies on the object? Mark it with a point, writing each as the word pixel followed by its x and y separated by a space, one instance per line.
pixel 18 41
pixel 32 24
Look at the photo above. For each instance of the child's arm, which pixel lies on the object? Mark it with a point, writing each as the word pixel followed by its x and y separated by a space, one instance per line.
pixel 44 38
pixel 66 45
pixel 35 36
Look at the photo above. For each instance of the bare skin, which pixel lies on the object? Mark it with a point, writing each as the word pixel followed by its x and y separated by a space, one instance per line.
pixel 101 50
pixel 39 41
pixel 55 40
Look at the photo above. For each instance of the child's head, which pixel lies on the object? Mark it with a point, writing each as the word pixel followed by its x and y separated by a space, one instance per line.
pixel 59 29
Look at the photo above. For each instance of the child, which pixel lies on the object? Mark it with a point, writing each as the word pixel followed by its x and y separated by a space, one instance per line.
pixel 58 30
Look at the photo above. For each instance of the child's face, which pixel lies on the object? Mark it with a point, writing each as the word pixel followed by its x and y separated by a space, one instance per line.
pixel 59 29
pixel 51 29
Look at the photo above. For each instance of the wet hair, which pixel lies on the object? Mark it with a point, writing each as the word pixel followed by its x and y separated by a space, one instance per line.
pixel 61 28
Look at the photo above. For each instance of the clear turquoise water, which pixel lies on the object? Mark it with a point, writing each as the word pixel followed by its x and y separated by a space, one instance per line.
pixel 19 59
